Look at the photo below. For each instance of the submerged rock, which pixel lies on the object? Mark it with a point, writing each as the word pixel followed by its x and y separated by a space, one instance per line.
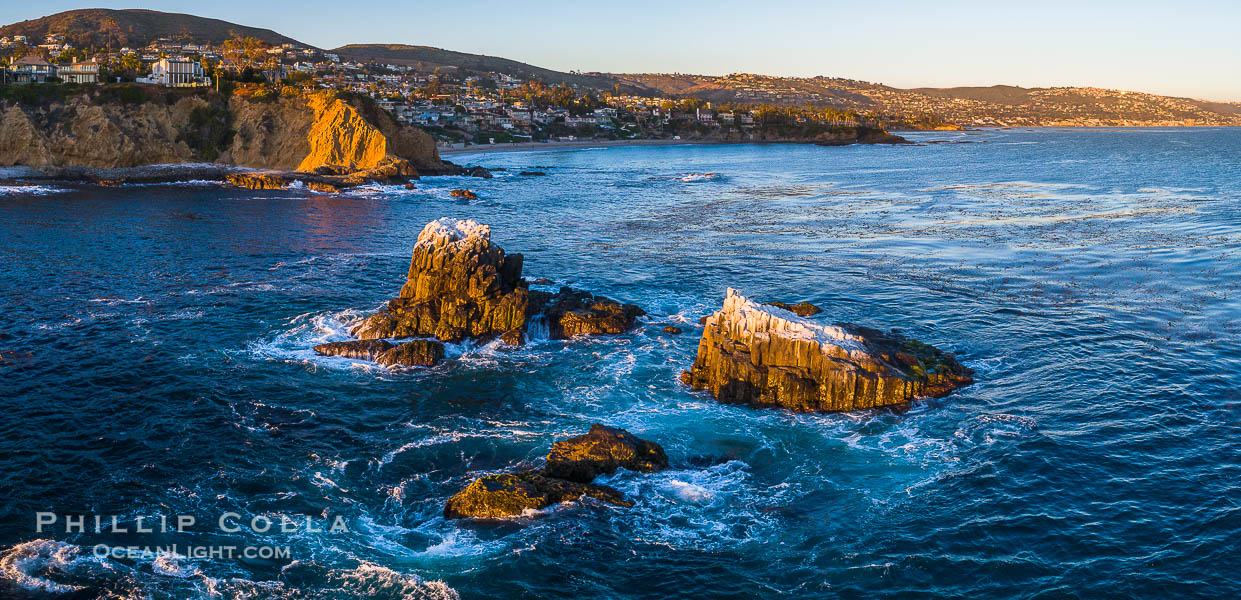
pixel 602 451
pixel 571 465
pixel 801 309
pixel 672 330
pixel 533 174
pixel 467 194
pixel 768 357
pixel 462 286
pixel 512 494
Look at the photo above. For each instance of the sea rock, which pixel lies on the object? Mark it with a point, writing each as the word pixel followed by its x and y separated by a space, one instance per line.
pixel 467 194
pixel 672 330
pixel 801 309
pixel 515 337
pixel 601 451
pixel 480 172
pixel 573 312
pixel 512 494
pixel 417 353
pixel 769 357
pixel 355 349
pixel 533 174
pixel 278 180
pixel 461 286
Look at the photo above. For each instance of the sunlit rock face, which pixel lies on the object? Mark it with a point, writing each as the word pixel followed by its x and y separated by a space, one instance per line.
pixel 462 286
pixel 766 356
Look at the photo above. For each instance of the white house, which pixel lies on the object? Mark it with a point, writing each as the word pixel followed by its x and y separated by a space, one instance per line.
pixel 173 72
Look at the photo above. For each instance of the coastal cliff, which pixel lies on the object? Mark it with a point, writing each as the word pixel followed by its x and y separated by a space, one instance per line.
pixel 320 133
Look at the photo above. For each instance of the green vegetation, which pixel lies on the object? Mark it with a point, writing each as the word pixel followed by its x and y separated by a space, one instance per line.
pixel 210 131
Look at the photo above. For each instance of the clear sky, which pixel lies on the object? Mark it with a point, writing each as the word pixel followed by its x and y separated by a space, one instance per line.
pixel 1178 47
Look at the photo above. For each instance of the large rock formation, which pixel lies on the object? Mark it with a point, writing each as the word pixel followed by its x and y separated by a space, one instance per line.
pixel 769 357
pixel 123 127
pixel 571 466
pixel 461 286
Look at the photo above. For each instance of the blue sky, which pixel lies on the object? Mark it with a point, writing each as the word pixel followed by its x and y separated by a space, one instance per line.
pixel 1186 48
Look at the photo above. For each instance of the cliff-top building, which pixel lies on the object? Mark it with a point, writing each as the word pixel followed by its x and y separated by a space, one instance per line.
pixel 172 72
pixel 79 72
pixel 32 69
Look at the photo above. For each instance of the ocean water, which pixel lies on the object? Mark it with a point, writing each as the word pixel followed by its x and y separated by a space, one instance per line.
pixel 155 358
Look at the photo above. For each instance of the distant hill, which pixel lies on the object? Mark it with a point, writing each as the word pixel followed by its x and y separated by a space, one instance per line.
pixel 101 27
pixel 1000 105
pixel 429 57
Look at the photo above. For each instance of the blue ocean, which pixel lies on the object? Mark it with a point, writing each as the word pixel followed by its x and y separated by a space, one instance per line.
pixel 155 353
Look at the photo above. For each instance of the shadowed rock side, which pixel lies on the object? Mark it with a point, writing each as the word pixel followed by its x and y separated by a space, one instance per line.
pixel 571 466
pixel 416 353
pixel 769 357
pixel 461 286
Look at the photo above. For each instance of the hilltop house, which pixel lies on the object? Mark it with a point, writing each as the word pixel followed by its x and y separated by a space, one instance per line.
pixel 32 69
pixel 174 72
pixel 79 72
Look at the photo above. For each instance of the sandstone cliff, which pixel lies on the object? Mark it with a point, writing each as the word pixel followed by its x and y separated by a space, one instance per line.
pixel 769 357
pixel 311 133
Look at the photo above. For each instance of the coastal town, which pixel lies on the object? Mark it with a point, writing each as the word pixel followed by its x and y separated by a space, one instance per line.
pixel 456 106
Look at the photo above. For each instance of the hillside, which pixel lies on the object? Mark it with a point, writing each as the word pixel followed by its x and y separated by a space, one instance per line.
pixel 101 27
pixel 429 57
pixel 999 105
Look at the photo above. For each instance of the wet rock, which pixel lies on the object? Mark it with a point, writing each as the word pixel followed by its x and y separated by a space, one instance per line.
pixel 480 172
pixel 602 451
pixel 411 186
pixel 512 494
pixel 355 349
pixel 768 357
pixel 467 194
pixel 515 337
pixel 672 330
pixel 418 353
pixel 573 312
pixel 801 309
pixel 278 180
pixel 543 281
pixel 533 174
pixel 461 286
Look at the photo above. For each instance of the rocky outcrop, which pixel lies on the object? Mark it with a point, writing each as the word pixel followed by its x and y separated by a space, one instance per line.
pixel 459 286
pixel 570 313
pixel 321 133
pixel 602 451
pixel 768 357
pixel 801 309
pixel 417 353
pixel 571 466
pixel 512 494
pixel 462 286
pixel 278 180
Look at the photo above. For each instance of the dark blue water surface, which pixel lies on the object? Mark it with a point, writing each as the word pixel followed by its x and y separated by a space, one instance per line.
pixel 156 362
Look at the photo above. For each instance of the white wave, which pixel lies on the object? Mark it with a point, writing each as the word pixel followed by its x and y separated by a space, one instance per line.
pixel 29 190
pixel 31 564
